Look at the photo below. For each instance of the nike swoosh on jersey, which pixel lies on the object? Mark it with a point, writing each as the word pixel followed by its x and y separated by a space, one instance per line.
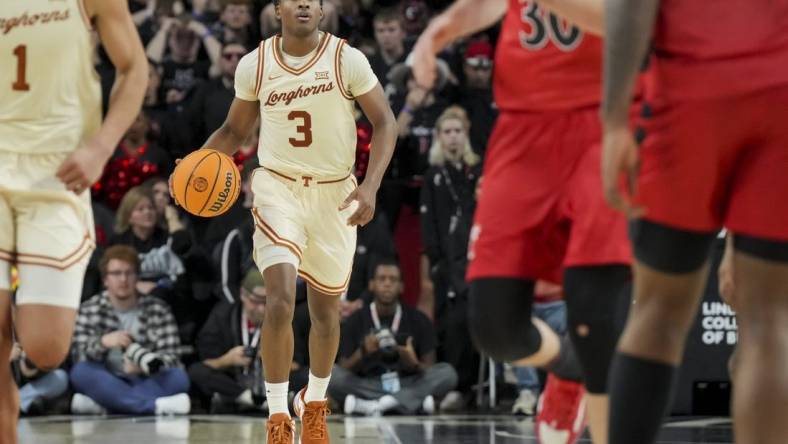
pixel 274 77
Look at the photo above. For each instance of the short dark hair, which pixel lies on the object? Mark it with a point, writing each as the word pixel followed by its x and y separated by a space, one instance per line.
pixel 388 15
pixel 125 253
pixel 384 262
pixel 276 2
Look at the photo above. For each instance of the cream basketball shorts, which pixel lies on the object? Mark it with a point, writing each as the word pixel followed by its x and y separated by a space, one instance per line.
pixel 45 230
pixel 298 222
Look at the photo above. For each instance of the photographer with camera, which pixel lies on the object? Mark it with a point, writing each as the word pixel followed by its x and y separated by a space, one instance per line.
pixel 387 354
pixel 230 371
pixel 126 347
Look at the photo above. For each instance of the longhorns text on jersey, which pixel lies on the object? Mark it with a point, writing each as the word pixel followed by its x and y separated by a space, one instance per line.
pixel 40 112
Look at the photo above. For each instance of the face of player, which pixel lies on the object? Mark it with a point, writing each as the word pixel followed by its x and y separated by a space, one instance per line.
pixel 254 303
pixel 300 17
pixel 231 54
pixel 386 285
pixel 120 280
pixel 236 16
pixel 161 196
pixel 452 138
pixel 143 216
pixel 389 35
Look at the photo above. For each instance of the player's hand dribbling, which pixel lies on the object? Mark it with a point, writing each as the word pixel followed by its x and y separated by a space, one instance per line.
pixel 83 167
pixel 366 205
pixel 620 158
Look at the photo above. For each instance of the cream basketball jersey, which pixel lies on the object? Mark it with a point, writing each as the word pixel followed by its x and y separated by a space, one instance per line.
pixel 307 123
pixel 50 96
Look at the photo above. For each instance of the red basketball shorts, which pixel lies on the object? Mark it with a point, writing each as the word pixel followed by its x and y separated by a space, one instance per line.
pixel 541 206
pixel 718 162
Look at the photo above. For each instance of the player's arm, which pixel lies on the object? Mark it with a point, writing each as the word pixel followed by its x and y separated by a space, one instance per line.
pixel 589 15
pixel 243 111
pixel 236 127
pixel 462 18
pixel 122 43
pixel 629 26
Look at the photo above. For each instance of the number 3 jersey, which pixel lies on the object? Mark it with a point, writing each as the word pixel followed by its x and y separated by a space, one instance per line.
pixel 543 63
pixel 307 109
pixel 50 96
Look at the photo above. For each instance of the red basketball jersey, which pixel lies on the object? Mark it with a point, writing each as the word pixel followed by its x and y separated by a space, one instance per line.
pixel 709 49
pixel 544 63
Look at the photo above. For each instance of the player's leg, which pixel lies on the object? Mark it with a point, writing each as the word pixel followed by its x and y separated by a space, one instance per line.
pixel 54 243
pixel 323 335
pixel 761 382
pixel 670 273
pixel 593 296
pixel 9 401
pixel 276 337
pixel 760 270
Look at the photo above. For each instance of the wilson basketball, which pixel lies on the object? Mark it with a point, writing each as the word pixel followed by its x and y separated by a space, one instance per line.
pixel 206 183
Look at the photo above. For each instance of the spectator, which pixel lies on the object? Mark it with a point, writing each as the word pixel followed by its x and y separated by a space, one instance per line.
pixel 447 207
pixel 234 23
pixel 208 106
pixel 230 371
pixel 387 355
pixel 181 69
pixel 126 347
pixel 36 387
pixel 448 204
pixel 161 250
pixel 548 306
pixel 476 97
pixel 390 38
pixel 159 190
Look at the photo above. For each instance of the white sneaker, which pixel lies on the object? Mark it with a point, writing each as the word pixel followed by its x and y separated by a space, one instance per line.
pixel 525 404
pixel 452 402
pixel 428 405
pixel 179 404
pixel 85 405
pixel 363 406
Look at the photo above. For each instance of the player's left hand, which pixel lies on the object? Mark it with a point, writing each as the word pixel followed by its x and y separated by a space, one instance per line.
pixel 83 167
pixel 620 157
pixel 365 196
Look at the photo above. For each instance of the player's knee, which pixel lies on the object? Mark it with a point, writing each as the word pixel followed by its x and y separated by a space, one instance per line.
pixel 48 357
pixel 279 308
pixel 499 313
pixel 670 250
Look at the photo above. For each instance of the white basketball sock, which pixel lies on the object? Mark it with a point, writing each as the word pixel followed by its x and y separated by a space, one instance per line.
pixel 276 393
pixel 316 389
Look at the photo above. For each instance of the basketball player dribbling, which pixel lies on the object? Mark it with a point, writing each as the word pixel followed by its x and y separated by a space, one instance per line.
pixel 538 214
pixel 714 155
pixel 53 146
pixel 307 205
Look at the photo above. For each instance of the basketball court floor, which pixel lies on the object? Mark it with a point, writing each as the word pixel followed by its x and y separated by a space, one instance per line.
pixel 387 430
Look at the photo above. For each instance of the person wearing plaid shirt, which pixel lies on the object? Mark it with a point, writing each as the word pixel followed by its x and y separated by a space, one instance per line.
pixel 126 347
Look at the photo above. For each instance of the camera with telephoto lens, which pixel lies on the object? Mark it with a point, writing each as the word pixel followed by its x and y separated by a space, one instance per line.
pixel 387 344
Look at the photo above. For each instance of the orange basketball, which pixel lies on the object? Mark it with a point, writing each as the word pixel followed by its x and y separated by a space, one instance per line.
pixel 206 183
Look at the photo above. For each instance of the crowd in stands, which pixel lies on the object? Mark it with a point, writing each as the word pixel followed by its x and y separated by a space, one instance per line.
pixel 172 304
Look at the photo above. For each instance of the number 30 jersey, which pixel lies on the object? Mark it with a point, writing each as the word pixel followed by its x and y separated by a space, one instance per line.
pixel 307 109
pixel 50 95
pixel 543 63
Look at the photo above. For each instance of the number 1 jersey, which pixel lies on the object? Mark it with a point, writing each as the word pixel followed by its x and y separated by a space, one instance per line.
pixel 543 63
pixel 50 95
pixel 307 109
